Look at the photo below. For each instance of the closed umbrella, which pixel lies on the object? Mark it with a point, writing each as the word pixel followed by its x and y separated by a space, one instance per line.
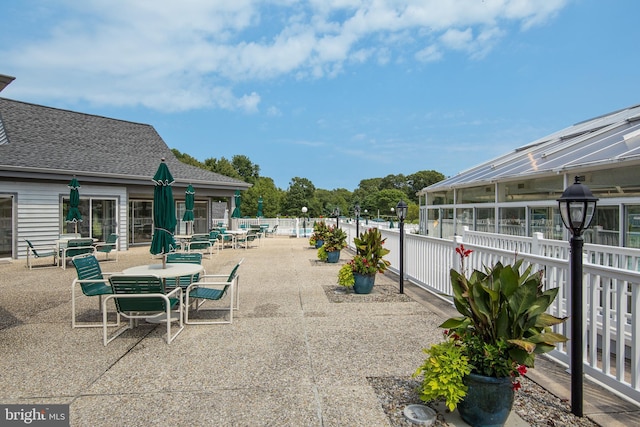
pixel 236 212
pixel 189 200
pixel 260 215
pixel 74 214
pixel 164 214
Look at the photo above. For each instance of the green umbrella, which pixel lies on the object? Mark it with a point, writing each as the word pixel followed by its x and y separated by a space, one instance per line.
pixel 74 214
pixel 259 215
pixel 189 200
pixel 164 214
pixel 236 212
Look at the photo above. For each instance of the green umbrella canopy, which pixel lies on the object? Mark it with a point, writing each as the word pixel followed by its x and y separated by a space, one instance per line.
pixel 236 212
pixel 164 214
pixel 74 214
pixel 189 201
pixel 260 214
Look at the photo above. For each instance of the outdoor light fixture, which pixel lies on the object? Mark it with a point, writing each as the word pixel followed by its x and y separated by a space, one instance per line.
pixel 577 207
pixel 401 211
pixel 356 211
pixel 304 220
pixel 336 213
pixel 366 217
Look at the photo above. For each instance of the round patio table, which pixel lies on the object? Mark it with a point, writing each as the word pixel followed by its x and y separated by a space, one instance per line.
pixel 173 270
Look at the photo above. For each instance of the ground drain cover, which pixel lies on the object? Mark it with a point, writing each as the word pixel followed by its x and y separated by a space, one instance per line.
pixel 420 414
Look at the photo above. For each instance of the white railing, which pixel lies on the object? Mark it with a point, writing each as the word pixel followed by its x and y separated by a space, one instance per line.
pixel 611 291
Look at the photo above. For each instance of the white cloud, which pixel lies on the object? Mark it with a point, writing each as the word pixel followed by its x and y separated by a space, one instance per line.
pixel 171 55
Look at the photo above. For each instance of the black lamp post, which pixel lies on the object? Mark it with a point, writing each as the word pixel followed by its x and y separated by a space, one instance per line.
pixel 366 217
pixel 336 213
pixel 304 220
pixel 356 211
pixel 577 207
pixel 401 211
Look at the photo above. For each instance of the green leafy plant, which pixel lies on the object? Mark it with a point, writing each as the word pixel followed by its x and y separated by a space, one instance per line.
pixel 322 253
pixel 319 230
pixel 503 322
pixel 368 259
pixel 442 373
pixel 345 276
pixel 335 239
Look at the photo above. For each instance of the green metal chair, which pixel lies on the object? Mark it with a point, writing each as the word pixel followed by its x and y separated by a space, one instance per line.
pixel 42 252
pixel 93 282
pixel 108 246
pixel 200 242
pixel 143 297
pixel 210 288
pixel 187 257
pixel 247 239
pixel 76 247
pixel 271 232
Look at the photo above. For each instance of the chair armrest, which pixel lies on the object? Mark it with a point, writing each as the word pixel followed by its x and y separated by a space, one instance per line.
pixel 177 290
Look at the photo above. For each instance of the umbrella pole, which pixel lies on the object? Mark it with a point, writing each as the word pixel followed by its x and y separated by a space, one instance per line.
pixel 164 260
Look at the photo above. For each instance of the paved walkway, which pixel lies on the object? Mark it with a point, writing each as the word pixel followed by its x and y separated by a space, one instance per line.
pixel 291 358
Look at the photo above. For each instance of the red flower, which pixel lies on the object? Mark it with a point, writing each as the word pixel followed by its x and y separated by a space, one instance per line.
pixel 516 385
pixel 463 252
pixel 522 369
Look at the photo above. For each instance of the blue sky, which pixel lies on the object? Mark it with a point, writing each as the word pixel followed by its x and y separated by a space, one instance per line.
pixel 335 91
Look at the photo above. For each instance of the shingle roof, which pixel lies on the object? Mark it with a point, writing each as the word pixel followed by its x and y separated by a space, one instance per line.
pixel 607 139
pixel 45 138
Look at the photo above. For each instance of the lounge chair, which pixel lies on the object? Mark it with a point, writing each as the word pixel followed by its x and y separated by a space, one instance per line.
pixel 213 287
pixel 41 252
pixel 246 239
pixel 108 246
pixel 142 297
pixel 93 282
pixel 272 232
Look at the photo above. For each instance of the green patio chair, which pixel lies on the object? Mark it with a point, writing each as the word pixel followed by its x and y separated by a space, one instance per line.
pixel 143 297
pixel 200 242
pixel 178 257
pixel 93 282
pixel 213 287
pixel 246 239
pixel 76 247
pixel 271 232
pixel 42 252
pixel 108 246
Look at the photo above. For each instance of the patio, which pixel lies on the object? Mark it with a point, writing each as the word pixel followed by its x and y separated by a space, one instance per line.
pixel 293 356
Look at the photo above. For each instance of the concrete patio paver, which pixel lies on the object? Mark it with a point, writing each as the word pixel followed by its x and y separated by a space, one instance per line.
pixel 291 357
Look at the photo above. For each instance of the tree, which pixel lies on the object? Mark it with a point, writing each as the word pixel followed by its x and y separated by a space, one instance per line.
pixel 301 192
pixel 272 198
pixel 419 180
pixel 248 171
pixel 222 166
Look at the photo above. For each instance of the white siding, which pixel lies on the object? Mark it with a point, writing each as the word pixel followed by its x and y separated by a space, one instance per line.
pixel 39 213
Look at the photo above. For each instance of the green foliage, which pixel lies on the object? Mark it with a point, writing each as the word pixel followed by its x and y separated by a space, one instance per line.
pixel 322 254
pixel 335 239
pixel 443 370
pixel 370 247
pixel 345 276
pixel 504 321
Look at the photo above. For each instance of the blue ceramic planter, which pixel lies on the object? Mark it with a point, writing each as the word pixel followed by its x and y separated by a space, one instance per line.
pixel 488 401
pixel 363 283
pixel 333 256
pixel 319 243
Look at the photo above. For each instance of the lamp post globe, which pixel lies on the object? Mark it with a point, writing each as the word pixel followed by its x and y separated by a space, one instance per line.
pixel 577 207
pixel 356 211
pixel 304 220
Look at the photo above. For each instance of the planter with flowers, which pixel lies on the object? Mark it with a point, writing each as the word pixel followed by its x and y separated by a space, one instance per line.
pixel 335 239
pixel 316 239
pixel 360 272
pixel 503 325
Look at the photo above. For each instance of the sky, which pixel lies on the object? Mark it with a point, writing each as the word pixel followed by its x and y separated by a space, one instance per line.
pixel 335 91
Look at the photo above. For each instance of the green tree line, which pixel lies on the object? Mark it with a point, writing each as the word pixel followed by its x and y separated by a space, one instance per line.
pixel 376 196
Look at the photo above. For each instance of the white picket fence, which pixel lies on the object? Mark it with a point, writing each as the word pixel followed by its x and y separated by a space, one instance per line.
pixel 611 297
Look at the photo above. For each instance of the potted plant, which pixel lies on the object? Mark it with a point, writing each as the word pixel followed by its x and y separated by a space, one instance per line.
pixel 361 271
pixel 316 239
pixel 335 239
pixel 503 325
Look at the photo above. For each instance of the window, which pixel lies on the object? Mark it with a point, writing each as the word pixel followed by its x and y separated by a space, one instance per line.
pixel 98 218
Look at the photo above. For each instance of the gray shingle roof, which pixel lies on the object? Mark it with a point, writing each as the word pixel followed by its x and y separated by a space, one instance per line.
pixel 45 138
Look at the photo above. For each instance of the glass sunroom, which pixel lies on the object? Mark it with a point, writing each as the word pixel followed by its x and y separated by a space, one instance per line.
pixel 517 193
